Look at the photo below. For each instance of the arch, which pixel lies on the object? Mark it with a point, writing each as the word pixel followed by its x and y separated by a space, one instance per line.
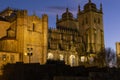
pixel 50 56
pixel 91 59
pixel 72 60
pixel 61 57
pixel 83 59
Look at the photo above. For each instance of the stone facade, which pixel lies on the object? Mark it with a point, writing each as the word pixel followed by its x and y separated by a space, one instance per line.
pixel 26 37
pixel 74 40
pixel 83 34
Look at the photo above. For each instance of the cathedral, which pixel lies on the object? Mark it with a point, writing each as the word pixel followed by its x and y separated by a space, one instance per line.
pixel 75 40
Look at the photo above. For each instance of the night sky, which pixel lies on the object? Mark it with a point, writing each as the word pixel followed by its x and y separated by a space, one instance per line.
pixel 111 12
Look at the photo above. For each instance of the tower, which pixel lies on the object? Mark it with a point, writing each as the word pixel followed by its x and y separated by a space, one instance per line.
pixel 90 21
pixel 85 33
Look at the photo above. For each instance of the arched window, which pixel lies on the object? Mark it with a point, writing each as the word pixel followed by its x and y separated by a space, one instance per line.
pixel 61 57
pixel 72 60
pixel 50 56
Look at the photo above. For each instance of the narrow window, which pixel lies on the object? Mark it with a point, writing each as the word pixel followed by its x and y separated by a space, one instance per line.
pixel 98 20
pixel 86 20
pixel 33 26
pixel 87 38
pixel 94 20
pixel 95 36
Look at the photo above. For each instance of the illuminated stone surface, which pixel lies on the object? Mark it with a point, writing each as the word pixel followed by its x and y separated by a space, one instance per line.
pixel 22 32
pixel 84 34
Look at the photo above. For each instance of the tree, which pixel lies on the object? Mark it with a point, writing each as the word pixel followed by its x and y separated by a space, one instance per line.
pixel 110 57
pixel 106 57
pixel 100 59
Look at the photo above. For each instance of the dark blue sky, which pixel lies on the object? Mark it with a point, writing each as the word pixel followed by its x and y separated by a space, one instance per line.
pixel 52 7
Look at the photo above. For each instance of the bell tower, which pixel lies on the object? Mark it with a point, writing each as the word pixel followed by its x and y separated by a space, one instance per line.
pixel 90 21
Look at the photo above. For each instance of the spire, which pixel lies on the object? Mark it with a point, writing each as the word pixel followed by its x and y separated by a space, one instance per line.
pixel 67 12
pixel 79 8
pixel 66 9
pixel 8 8
pixel 57 17
pixel 89 1
pixel 100 6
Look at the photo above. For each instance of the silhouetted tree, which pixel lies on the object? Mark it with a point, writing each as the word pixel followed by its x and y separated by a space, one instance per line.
pixel 100 59
pixel 106 57
pixel 110 57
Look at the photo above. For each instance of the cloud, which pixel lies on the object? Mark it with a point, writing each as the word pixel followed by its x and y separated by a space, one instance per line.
pixel 54 10
pixel 60 8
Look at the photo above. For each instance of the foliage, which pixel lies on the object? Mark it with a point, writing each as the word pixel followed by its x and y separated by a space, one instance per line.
pixel 106 57
pixel 110 57
pixel 101 58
